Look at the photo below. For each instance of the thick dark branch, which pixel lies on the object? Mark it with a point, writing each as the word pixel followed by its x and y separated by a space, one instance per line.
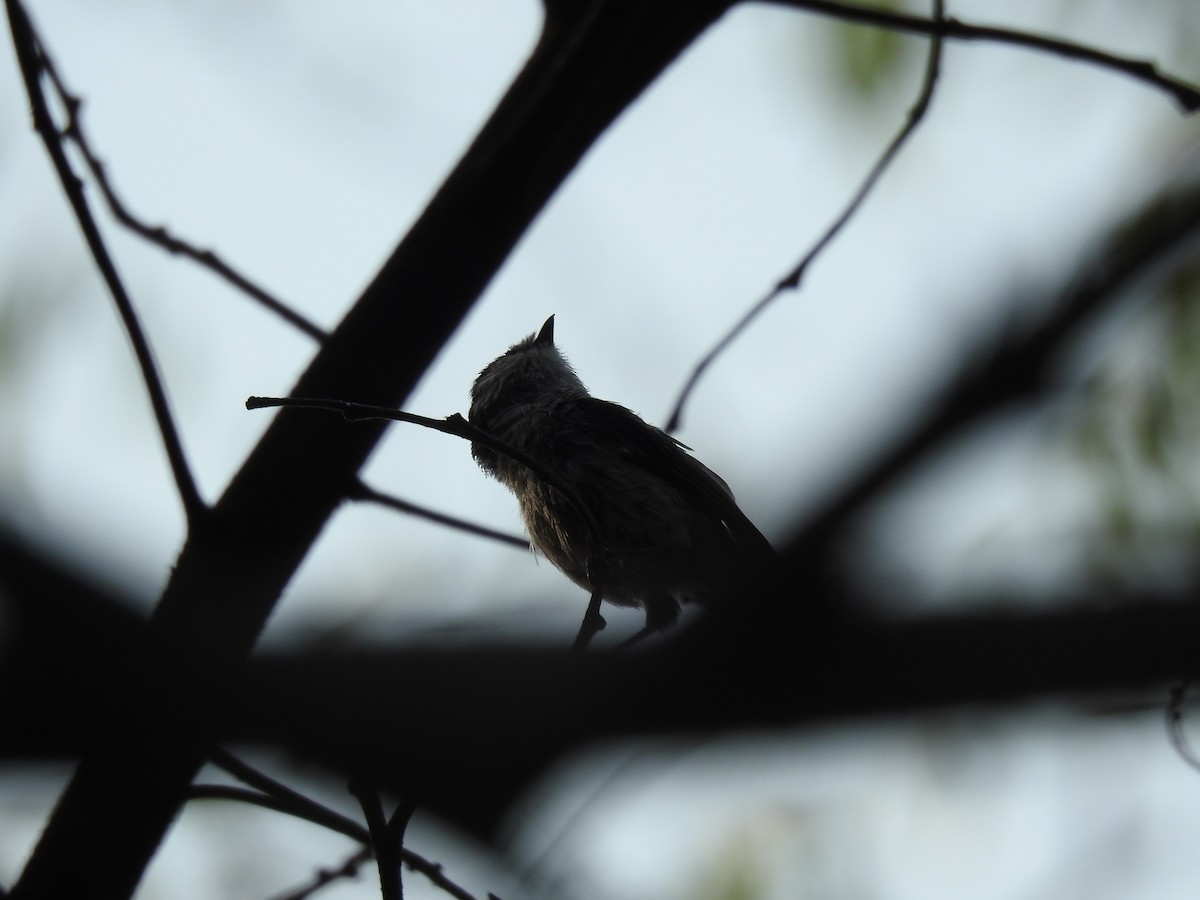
pixel 1185 94
pixel 146 731
pixel 594 58
pixel 494 718
pixel 1018 367
pixel 31 55
pixel 387 862
pixel 724 676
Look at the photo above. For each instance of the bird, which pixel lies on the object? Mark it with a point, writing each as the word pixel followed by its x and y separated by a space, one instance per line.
pixel 619 506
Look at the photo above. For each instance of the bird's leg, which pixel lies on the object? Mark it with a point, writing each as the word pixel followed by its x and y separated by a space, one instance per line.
pixel 661 612
pixel 592 623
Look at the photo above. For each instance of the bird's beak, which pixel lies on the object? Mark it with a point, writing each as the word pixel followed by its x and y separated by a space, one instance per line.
pixel 546 335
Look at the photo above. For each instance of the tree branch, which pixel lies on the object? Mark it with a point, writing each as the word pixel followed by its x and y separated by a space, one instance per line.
pixel 996 373
pixel 528 705
pixel 32 58
pixel 518 708
pixel 270 793
pixel 158 234
pixel 1185 94
pixel 593 59
pixel 370 495
pixel 146 730
pixel 791 281
pixel 453 424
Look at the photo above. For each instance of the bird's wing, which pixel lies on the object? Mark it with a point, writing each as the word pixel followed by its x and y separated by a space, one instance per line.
pixel 658 452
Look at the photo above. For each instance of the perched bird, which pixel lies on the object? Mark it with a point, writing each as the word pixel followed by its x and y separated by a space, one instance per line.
pixel 634 517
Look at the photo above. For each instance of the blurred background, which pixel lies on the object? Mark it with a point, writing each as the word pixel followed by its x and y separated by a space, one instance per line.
pixel 299 140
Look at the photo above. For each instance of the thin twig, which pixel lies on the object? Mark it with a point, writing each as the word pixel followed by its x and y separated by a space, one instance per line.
pixel 326 877
pixel 307 810
pixel 369 494
pixel 33 60
pixel 1185 94
pixel 454 424
pixel 273 794
pixel 791 281
pixel 158 234
pixel 286 799
pixel 434 875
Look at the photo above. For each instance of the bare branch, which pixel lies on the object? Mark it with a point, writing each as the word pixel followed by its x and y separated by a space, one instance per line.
pixel 366 493
pixel 33 60
pixel 937 28
pixel 1185 94
pixel 588 66
pixel 454 424
pixel 285 799
pixel 996 372
pixel 271 793
pixel 791 281
pixel 952 659
pixel 158 234
pixel 308 811
pixel 325 877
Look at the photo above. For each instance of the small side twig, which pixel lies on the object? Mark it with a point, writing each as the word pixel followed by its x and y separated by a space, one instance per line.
pixel 158 234
pixel 273 794
pixel 325 877
pixel 306 809
pixel 368 494
pixel 34 61
pixel 791 281
pixel 454 424
pixel 270 793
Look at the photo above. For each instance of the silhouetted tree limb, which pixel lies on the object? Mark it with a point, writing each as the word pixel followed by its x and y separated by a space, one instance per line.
pixel 1185 94
pixel 473 726
pixel 996 373
pixel 32 59
pixel 791 281
pixel 591 61
pixel 158 234
pixel 532 705
pixel 368 494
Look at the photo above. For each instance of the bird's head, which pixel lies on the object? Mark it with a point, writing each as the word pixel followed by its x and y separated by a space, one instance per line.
pixel 532 371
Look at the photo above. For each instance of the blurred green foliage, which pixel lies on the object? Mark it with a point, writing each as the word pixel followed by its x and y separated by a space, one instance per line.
pixel 866 57
pixel 1137 429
